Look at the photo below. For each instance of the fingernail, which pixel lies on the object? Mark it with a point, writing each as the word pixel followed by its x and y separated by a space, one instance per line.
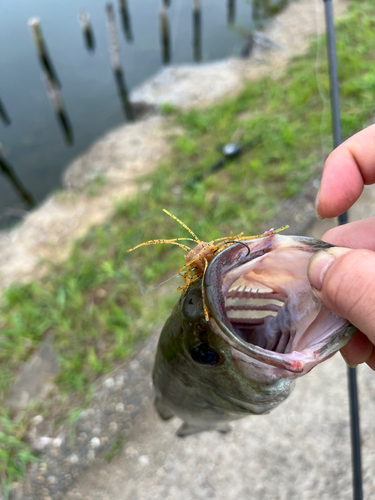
pixel 320 263
pixel 317 199
pixel 318 267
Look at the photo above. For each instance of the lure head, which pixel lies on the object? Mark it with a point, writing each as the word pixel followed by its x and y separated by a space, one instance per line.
pixel 266 327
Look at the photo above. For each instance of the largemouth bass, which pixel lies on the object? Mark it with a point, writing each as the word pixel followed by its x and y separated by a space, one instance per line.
pixel 265 328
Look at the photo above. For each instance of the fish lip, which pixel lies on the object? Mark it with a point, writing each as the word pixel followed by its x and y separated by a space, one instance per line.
pixel 237 255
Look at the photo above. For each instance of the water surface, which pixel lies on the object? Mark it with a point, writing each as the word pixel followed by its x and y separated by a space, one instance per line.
pixel 33 142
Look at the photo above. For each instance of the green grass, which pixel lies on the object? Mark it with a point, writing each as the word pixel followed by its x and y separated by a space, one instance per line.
pixel 93 302
pixel 15 455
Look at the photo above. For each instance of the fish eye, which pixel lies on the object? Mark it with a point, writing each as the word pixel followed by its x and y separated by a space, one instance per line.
pixel 204 355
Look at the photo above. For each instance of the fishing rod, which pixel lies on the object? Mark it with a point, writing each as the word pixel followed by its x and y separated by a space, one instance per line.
pixel 343 219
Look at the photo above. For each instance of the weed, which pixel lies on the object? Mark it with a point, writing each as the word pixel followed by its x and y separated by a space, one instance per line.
pixel 116 448
pixel 15 454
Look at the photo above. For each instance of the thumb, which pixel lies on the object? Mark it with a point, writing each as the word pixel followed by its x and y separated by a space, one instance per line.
pixel 344 280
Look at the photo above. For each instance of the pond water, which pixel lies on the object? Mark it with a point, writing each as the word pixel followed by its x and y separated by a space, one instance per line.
pixel 33 142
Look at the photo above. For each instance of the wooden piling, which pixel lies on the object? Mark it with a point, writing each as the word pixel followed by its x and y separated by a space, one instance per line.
pixel 11 175
pixel 165 35
pixel 114 49
pixel 54 95
pixel 86 27
pixel 125 18
pixel 231 11
pixel 197 27
pixel 3 114
pixel 124 95
pixel 42 52
pixel 52 83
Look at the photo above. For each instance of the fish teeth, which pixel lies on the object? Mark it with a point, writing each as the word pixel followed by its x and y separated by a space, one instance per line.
pixel 262 289
pixel 253 314
pixel 252 302
pixel 250 288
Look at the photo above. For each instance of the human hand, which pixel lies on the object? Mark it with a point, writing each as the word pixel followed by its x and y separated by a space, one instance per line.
pixel 344 278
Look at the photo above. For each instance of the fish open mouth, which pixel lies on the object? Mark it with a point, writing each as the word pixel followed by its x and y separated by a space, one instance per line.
pixel 258 292
pixel 254 311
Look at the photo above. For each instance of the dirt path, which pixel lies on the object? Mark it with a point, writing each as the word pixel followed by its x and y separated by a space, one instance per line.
pixel 300 451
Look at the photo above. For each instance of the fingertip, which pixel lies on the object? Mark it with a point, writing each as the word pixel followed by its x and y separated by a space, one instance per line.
pixel 358 350
pixel 341 185
pixel 317 200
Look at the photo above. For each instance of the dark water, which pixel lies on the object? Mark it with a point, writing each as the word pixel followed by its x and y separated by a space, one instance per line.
pixel 33 143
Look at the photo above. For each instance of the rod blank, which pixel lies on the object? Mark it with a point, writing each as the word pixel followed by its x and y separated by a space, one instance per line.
pixel 352 374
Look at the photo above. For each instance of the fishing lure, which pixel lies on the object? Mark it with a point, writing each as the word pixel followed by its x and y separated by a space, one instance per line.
pixel 198 258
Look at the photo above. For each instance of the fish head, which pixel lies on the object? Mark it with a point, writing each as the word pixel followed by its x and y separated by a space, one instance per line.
pixel 266 328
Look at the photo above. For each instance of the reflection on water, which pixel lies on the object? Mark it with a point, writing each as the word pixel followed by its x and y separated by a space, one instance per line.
pixel 231 11
pixel 125 18
pixel 165 36
pixel 9 173
pixel 197 26
pixel 114 49
pixel 34 142
pixel 3 114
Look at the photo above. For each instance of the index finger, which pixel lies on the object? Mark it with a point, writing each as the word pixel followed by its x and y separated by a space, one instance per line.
pixel 347 169
pixel 360 234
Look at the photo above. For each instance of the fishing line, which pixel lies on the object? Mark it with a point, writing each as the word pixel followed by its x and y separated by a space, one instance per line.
pixel 318 59
pixel 240 243
pixel 151 289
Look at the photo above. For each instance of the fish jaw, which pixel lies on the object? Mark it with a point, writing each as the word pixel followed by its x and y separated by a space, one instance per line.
pixel 278 319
